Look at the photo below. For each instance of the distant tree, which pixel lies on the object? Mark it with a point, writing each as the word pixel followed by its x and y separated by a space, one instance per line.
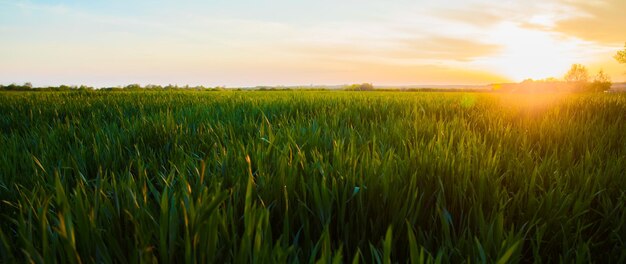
pixel 366 87
pixel 601 82
pixel 134 86
pixel 621 55
pixel 15 87
pixel 577 77
pixel 361 87
pixel 577 73
pixel 153 87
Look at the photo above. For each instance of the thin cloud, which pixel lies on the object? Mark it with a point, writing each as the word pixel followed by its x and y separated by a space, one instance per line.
pixel 446 48
pixel 602 22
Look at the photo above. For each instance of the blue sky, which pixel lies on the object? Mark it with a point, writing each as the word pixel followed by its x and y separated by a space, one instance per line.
pixel 246 43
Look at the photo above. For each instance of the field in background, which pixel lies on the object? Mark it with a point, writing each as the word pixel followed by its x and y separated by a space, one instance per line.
pixel 304 176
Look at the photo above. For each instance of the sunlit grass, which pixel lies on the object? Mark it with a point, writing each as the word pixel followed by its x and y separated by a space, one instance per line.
pixel 306 176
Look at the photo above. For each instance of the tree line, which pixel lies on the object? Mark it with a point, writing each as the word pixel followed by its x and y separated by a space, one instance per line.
pixel 131 87
pixel 577 78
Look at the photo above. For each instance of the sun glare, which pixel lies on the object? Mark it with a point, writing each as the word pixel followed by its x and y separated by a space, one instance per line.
pixel 531 53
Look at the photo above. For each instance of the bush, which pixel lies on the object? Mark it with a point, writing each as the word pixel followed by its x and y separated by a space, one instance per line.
pixel 360 87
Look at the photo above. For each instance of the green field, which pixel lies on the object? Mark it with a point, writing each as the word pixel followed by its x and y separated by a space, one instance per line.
pixel 305 176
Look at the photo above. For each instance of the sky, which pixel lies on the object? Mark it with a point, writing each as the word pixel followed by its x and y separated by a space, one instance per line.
pixel 237 43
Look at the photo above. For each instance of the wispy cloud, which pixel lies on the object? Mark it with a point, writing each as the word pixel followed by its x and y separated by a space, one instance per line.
pixel 603 22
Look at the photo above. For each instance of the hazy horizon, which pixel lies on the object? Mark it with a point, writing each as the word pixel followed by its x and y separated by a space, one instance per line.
pixel 283 43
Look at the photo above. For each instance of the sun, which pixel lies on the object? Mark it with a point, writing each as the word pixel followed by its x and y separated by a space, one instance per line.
pixel 531 53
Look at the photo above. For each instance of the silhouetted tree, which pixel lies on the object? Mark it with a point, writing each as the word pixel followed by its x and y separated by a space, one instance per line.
pixel 577 76
pixel 621 55
pixel 134 86
pixel 361 87
pixel 14 87
pixel 577 73
pixel 601 82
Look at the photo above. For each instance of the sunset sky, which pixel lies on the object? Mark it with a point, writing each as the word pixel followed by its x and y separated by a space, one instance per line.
pixel 289 42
